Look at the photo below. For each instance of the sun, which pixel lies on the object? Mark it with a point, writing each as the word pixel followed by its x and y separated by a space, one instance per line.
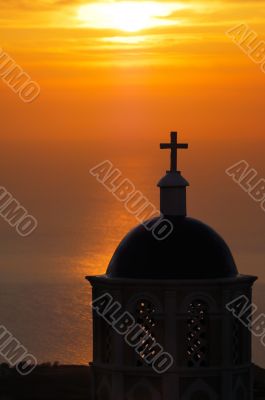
pixel 127 16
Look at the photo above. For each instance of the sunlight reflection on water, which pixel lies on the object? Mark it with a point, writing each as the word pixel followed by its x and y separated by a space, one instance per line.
pixel 44 297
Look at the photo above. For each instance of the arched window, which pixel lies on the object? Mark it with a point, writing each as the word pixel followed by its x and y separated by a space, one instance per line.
pixel 200 390
pixel 143 390
pixel 196 340
pixel 144 315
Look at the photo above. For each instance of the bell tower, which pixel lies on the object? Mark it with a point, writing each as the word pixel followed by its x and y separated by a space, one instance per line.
pixel 161 326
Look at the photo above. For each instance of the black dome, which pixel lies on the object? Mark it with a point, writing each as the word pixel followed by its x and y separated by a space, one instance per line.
pixel 192 251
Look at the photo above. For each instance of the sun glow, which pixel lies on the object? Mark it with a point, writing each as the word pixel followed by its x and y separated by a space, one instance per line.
pixel 128 16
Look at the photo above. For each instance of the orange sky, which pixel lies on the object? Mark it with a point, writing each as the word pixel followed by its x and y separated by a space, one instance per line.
pixel 113 85
pixel 177 70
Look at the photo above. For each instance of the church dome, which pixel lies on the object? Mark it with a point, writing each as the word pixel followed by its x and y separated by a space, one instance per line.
pixel 192 251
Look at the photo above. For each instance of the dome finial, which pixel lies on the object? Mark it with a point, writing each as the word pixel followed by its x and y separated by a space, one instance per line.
pixel 174 146
pixel 173 185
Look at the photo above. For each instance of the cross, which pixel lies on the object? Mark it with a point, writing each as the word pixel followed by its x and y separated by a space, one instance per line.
pixel 174 146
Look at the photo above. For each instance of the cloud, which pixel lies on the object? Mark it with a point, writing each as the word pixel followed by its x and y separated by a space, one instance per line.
pixel 204 18
pixel 51 4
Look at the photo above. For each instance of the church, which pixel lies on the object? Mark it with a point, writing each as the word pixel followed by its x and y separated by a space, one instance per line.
pixel 177 290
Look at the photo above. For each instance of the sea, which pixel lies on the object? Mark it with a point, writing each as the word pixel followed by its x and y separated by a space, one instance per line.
pixel 44 296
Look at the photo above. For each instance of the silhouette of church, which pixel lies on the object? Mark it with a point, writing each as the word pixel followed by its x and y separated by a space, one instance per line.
pixel 177 290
